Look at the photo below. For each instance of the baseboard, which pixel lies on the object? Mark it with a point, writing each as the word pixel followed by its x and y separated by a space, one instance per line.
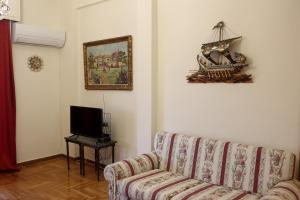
pixel 92 162
pixel 40 160
pixel 56 156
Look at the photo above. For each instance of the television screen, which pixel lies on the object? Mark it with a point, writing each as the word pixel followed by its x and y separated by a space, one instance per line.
pixel 86 121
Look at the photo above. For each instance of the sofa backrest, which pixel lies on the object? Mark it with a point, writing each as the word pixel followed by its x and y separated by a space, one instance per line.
pixel 239 166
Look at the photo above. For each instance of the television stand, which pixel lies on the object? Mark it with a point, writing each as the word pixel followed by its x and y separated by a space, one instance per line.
pixel 95 143
pixel 105 138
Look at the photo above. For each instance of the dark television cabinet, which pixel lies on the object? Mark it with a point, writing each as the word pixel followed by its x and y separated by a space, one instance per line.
pixel 96 143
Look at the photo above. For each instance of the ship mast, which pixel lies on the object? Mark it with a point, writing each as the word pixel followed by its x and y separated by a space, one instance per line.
pixel 220 26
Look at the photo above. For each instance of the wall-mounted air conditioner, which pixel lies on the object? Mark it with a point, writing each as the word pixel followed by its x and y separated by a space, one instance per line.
pixel 35 35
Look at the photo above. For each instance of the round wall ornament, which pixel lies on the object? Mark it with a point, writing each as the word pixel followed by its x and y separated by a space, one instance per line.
pixel 35 63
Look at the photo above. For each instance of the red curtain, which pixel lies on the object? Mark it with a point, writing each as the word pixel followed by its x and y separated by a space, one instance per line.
pixel 7 101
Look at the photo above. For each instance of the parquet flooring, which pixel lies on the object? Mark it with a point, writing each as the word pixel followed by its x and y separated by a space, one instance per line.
pixel 50 180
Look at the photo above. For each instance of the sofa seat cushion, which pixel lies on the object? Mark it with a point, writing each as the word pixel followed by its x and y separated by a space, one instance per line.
pixel 163 185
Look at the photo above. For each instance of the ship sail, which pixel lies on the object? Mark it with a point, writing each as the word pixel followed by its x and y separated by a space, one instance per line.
pixel 229 40
pixel 221 47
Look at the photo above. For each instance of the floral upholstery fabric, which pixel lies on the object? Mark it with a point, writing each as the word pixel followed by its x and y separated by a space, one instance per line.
pixel 245 167
pixel 127 168
pixel 286 190
pixel 163 185
pixel 183 166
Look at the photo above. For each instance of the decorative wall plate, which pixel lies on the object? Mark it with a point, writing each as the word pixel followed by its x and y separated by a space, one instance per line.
pixel 35 63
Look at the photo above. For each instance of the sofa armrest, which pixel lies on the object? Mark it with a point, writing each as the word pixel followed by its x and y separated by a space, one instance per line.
pixel 285 190
pixel 127 168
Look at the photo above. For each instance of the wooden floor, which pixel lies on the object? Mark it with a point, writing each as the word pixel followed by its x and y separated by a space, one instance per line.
pixel 50 180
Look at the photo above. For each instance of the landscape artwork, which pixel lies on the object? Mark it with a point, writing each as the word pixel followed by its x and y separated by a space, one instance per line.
pixel 108 64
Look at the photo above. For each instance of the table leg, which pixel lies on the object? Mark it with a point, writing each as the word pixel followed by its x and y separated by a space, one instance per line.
pixel 98 163
pixel 83 162
pixel 95 159
pixel 68 158
pixel 113 154
pixel 80 158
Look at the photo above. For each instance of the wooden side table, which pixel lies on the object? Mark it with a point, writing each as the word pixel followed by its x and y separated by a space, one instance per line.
pixel 94 143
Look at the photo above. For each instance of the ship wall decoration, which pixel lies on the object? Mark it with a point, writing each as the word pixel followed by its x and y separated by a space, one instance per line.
pixel 218 62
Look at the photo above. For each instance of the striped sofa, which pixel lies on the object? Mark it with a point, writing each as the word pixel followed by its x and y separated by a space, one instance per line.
pixel 184 168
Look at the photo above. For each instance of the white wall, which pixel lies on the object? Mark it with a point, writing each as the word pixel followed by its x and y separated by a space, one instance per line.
pixel 37 93
pixel 102 24
pixel 131 111
pixel 265 112
pixel 69 84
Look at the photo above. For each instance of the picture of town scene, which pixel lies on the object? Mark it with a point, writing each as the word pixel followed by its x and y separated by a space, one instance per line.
pixel 107 64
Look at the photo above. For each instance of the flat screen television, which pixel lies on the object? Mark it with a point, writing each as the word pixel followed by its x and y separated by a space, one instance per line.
pixel 86 121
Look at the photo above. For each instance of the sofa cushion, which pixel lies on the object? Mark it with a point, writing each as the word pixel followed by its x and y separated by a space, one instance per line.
pixel 287 190
pixel 163 185
pixel 244 167
pixel 132 166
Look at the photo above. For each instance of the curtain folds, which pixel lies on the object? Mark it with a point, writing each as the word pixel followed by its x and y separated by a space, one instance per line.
pixel 7 101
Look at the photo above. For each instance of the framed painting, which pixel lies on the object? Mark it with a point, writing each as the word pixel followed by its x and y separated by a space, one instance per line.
pixel 108 64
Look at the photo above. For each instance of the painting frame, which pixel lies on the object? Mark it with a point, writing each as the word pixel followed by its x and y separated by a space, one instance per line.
pixel 109 86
